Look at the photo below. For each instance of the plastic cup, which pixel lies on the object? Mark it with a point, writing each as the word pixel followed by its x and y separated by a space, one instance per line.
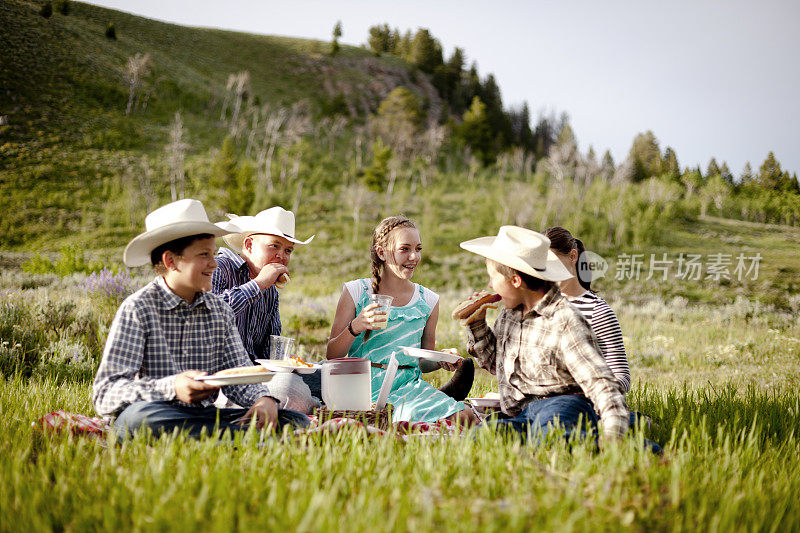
pixel 280 347
pixel 384 305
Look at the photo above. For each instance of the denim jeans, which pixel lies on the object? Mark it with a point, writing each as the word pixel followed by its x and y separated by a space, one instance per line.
pixel 163 417
pixel 572 412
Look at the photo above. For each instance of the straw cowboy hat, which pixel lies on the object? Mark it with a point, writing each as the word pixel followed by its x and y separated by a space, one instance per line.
pixel 521 249
pixel 167 223
pixel 273 221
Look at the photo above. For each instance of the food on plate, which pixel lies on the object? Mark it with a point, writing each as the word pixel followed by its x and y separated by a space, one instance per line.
pixel 241 371
pixel 468 310
pixel 282 280
pixel 292 361
pixel 299 362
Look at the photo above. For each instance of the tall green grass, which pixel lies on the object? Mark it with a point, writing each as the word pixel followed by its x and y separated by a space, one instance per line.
pixel 730 462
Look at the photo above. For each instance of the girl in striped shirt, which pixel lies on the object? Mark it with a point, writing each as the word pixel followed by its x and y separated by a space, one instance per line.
pixel 594 309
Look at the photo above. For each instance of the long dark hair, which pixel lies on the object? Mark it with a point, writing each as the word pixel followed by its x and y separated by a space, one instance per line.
pixel 562 241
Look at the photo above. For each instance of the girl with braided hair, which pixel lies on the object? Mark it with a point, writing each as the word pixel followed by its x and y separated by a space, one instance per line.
pixel 359 328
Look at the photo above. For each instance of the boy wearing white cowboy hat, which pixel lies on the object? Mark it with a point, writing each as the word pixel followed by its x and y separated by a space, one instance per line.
pixel 171 332
pixel 248 276
pixel 548 365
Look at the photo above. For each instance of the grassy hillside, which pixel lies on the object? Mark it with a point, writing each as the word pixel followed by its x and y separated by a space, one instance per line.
pixel 75 169
pixel 64 92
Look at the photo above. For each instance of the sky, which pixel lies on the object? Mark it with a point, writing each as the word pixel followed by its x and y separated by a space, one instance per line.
pixel 708 78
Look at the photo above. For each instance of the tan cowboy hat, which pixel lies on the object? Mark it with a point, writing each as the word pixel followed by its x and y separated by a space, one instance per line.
pixel 273 221
pixel 167 223
pixel 521 249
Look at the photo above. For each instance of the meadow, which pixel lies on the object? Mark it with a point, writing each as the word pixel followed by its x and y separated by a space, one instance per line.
pixel 719 381
pixel 715 358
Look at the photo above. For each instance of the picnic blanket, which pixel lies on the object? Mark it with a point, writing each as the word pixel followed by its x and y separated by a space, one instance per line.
pixel 77 424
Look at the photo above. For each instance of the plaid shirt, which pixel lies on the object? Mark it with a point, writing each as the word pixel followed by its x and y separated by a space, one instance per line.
pixel 546 352
pixel 256 311
pixel 155 336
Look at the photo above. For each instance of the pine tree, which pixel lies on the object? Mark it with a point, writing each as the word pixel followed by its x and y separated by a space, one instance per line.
pixel 375 176
pixel 337 32
pixel 544 135
pixel 476 132
pixel 379 39
pixel 747 174
pixel 772 177
pixel 725 172
pixel 521 134
pixel 224 169
pixel 426 52
pixel 670 165
pixel 401 105
pixel 607 167
pixel 646 156
pixel 498 119
pixel 404 46
pixel 713 169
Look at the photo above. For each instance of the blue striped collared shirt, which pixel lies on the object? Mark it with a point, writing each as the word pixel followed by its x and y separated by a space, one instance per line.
pixel 256 311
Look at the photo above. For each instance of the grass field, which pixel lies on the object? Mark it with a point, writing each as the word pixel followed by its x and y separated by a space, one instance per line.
pixel 715 362
pixel 719 379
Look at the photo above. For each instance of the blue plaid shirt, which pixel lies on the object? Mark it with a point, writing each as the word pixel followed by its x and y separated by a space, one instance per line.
pixel 256 311
pixel 156 335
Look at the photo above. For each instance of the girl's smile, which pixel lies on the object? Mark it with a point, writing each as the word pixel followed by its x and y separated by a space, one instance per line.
pixel 404 252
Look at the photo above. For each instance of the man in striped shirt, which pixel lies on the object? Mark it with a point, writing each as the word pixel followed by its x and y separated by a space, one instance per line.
pixel 248 281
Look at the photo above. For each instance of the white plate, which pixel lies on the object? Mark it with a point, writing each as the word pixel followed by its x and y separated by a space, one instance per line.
pixel 485 402
pixel 431 355
pixel 281 365
pixel 222 381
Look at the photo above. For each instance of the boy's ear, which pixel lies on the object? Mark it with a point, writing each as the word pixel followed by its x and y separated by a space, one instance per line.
pixel 247 244
pixel 516 281
pixel 168 258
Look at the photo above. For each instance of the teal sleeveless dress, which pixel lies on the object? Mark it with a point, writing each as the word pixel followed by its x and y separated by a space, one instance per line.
pixel 413 399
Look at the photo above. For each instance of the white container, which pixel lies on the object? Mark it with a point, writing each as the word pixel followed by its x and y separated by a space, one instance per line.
pixel 346 384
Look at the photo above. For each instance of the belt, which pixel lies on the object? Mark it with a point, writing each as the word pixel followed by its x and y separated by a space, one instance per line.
pixel 553 395
pixel 401 367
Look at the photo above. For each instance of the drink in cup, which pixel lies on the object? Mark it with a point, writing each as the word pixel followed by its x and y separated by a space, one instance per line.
pixel 280 347
pixel 384 304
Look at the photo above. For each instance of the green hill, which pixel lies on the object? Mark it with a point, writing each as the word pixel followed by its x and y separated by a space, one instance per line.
pixel 64 91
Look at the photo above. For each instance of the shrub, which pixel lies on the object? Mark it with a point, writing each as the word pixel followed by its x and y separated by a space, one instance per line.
pixel 20 340
pixel 71 261
pixel 111 32
pixel 62 6
pixel 38 264
pixel 66 359
pixel 46 10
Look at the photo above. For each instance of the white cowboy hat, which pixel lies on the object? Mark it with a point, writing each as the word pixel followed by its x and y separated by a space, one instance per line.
pixel 273 221
pixel 520 249
pixel 167 223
